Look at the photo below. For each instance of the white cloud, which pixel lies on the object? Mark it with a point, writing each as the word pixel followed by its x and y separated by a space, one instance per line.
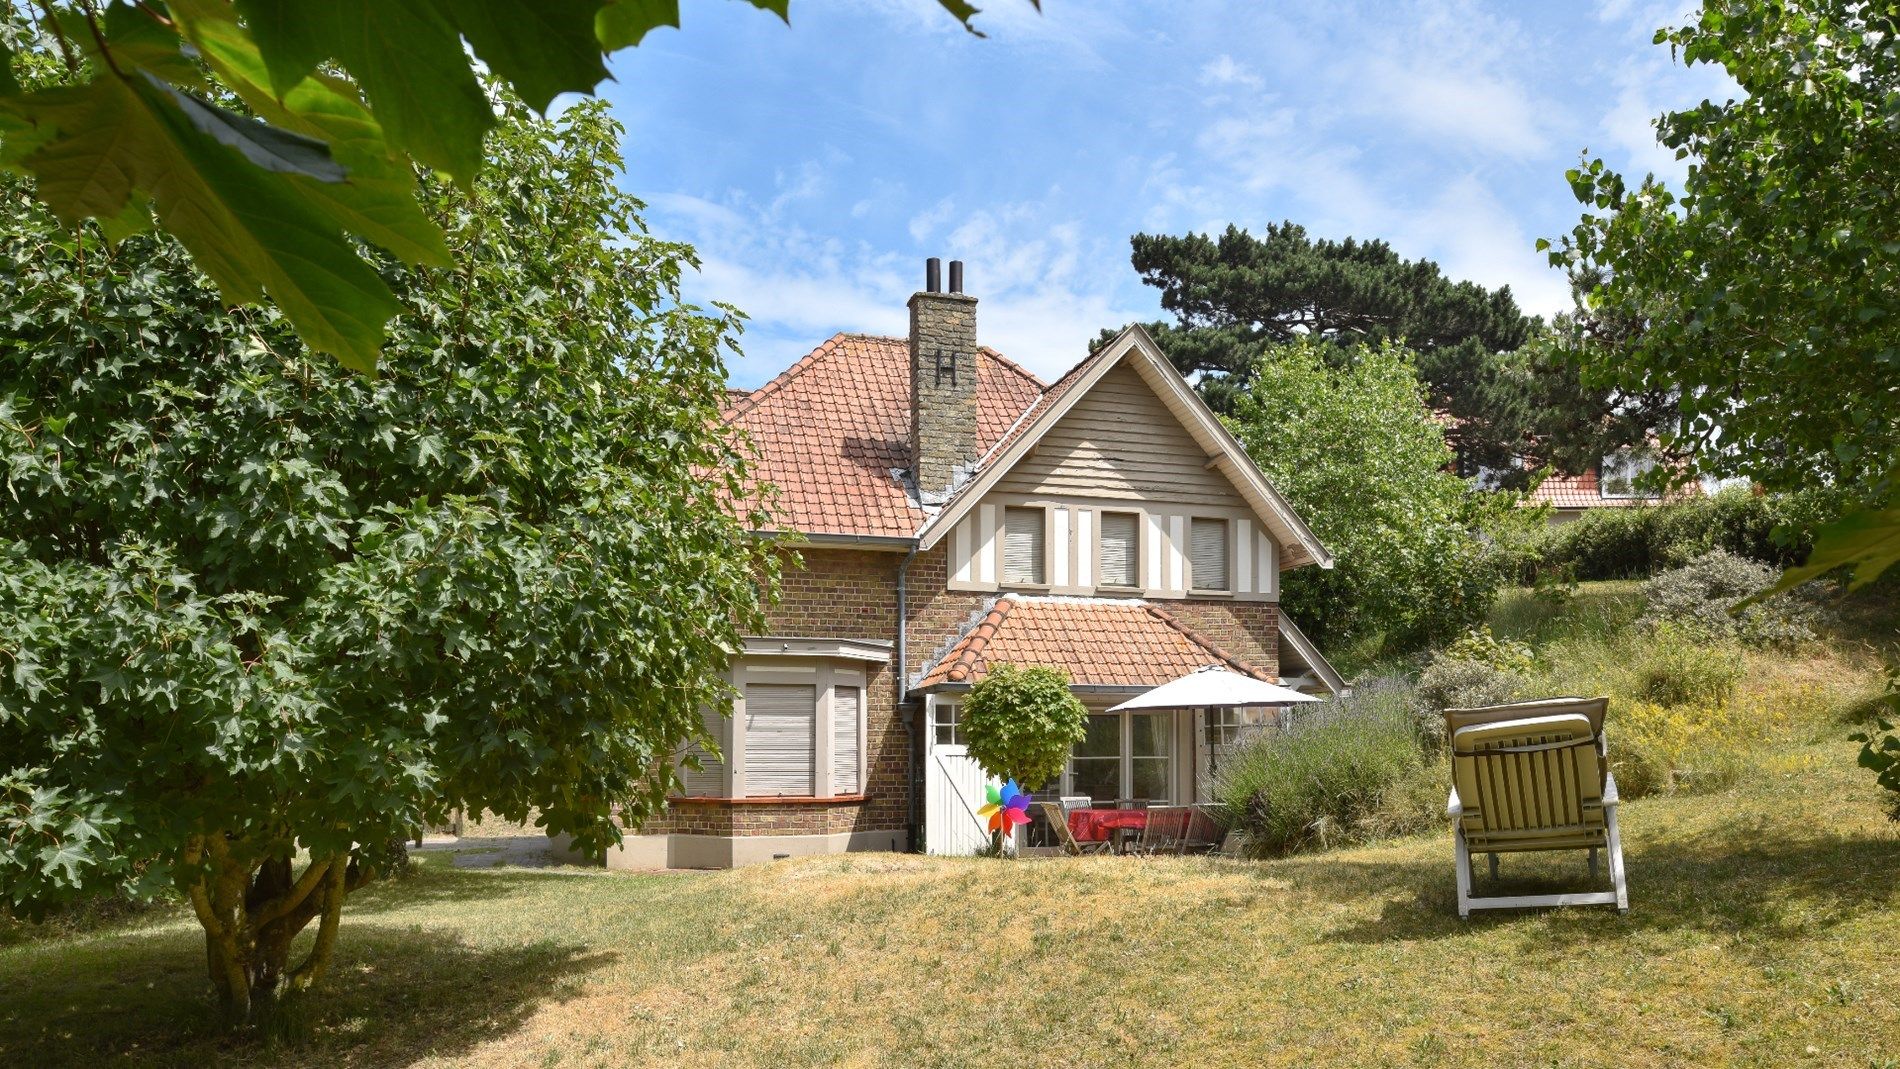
pixel 928 221
pixel 1044 288
pixel 1223 70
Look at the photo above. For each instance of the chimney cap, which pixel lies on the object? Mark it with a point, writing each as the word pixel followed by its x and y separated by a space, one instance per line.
pixel 933 275
pixel 956 276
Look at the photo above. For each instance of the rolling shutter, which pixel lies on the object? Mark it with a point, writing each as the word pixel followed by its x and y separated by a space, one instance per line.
pixel 1120 546
pixel 1207 549
pixel 846 746
pixel 780 737
pixel 1022 545
pixel 710 780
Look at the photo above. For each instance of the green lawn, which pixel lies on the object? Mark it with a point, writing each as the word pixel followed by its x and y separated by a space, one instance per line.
pixel 1762 933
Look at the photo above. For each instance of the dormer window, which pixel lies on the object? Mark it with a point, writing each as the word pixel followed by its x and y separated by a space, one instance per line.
pixel 1207 554
pixel 1024 546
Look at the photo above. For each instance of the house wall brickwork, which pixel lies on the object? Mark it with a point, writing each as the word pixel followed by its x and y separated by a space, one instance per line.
pixel 1249 630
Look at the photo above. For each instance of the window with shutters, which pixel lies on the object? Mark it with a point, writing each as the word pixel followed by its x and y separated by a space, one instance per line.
pixel 1023 545
pixel 847 743
pixel 709 781
pixel 1207 554
pixel 781 749
pixel 1120 563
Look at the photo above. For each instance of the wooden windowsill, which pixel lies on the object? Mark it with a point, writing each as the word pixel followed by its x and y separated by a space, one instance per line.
pixel 1192 593
pixel 839 799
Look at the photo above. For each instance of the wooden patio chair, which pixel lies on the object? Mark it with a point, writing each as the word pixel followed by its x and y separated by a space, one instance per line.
pixel 1166 831
pixel 1205 831
pixel 1533 776
pixel 1058 820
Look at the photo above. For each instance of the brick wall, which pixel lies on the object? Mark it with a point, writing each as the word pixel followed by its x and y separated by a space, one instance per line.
pixel 1249 630
pixel 837 594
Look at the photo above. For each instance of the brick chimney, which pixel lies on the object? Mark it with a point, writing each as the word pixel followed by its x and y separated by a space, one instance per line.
pixel 943 441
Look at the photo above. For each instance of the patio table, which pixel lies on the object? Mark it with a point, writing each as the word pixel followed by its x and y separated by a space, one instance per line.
pixel 1097 825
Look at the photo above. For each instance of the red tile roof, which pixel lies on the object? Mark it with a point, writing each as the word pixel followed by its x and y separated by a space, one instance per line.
pixel 1099 643
pixel 833 427
pixel 1581 492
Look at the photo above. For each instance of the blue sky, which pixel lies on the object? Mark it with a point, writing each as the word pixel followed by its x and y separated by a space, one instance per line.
pixel 816 166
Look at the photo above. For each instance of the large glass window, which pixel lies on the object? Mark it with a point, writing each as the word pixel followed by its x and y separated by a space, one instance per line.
pixel 1121 549
pixel 1125 756
pixel 1095 769
pixel 1151 756
pixel 1023 542
pixel 1207 552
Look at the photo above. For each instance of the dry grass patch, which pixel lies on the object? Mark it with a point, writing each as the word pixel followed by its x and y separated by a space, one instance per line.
pixel 1761 935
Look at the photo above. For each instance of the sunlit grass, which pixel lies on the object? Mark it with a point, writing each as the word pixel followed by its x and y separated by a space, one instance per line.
pixel 1761 935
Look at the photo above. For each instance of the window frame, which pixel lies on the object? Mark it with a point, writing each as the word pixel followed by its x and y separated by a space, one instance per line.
pixel 1136 557
pixel 1639 465
pixel 1193 582
pixel 1044 566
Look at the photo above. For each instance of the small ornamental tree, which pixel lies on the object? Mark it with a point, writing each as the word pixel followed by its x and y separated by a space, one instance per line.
pixel 1022 722
pixel 260 615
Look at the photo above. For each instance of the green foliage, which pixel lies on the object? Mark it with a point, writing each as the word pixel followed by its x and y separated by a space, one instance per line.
pixel 268 207
pixel 1455 683
pixel 1483 647
pixel 1768 286
pixel 251 603
pixel 1021 724
pixel 1420 554
pixel 1321 783
pixel 1701 597
pixel 1635 543
pixel 1880 742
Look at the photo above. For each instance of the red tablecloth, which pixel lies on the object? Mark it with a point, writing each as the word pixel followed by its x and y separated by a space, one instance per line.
pixel 1096 825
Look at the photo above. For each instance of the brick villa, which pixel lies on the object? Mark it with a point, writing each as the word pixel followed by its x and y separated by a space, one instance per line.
pixel 958 513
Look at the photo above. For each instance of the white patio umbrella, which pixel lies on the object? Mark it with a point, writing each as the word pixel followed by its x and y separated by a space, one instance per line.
pixel 1214 687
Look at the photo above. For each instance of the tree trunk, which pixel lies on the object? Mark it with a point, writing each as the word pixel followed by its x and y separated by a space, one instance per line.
pixel 252 910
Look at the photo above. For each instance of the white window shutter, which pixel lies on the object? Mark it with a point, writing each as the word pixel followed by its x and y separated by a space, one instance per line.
pixel 1120 543
pixel 1023 545
pixel 780 739
pixel 710 780
pixel 1207 550
pixel 847 748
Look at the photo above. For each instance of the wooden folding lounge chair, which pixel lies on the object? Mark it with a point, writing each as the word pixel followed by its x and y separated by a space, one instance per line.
pixel 1533 776
pixel 1065 838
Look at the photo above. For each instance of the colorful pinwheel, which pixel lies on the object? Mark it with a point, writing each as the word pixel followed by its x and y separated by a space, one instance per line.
pixel 1007 807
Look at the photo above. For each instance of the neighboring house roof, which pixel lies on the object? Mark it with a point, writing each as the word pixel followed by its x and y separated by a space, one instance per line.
pixel 1585 492
pixel 1098 642
pixel 833 428
pixel 1135 347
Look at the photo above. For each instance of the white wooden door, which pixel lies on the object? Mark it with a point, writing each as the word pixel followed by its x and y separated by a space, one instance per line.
pixel 953 792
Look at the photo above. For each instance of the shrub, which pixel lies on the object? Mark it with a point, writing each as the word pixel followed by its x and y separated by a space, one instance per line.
pixel 1635 543
pixel 1480 645
pixel 1022 722
pixel 1456 683
pixel 1323 783
pixel 1699 596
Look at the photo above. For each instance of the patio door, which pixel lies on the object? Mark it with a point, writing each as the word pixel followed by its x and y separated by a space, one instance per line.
pixel 1125 756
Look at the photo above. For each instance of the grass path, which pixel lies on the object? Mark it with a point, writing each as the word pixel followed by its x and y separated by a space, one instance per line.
pixel 1763 933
